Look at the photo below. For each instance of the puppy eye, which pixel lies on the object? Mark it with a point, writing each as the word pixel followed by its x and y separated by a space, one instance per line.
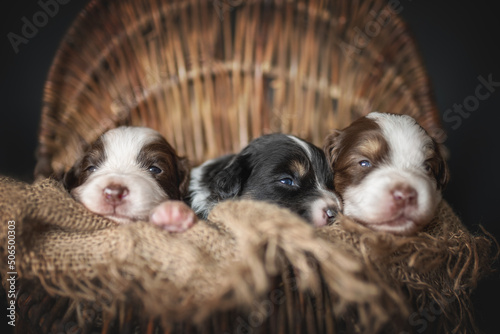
pixel 365 163
pixel 91 169
pixel 288 181
pixel 428 167
pixel 154 170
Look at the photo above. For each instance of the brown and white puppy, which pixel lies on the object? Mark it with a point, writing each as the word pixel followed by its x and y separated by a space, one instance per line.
pixel 133 174
pixel 275 168
pixel 388 171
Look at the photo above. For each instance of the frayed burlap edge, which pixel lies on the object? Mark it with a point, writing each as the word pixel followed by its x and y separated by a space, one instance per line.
pixel 230 260
pixel 436 270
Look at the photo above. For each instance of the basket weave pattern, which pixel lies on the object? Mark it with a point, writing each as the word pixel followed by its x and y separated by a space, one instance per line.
pixel 210 76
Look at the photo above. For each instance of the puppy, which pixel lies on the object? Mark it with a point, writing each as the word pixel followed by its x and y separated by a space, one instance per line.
pixel 388 171
pixel 133 174
pixel 277 168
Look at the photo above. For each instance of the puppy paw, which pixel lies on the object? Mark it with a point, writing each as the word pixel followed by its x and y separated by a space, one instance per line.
pixel 173 216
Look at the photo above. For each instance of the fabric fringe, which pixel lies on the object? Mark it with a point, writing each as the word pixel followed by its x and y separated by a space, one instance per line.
pixel 232 260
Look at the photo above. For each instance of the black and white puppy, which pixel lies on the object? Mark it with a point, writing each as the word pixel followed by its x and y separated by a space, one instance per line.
pixel 388 171
pixel 133 174
pixel 277 168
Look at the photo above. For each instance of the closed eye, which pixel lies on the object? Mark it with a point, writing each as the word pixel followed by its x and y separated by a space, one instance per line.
pixel 154 170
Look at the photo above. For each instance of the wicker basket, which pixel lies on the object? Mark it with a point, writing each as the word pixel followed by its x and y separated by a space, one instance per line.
pixel 210 76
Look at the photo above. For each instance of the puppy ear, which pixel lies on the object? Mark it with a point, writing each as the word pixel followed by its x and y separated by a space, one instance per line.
pixel 443 175
pixel 229 181
pixel 70 178
pixel 183 170
pixel 331 146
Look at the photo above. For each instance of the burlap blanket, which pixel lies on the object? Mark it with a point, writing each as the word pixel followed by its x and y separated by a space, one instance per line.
pixel 232 260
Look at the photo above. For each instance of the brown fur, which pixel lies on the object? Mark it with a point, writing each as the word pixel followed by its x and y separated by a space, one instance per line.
pixel 344 149
pixel 438 166
pixel 362 140
pixel 79 173
pixel 175 181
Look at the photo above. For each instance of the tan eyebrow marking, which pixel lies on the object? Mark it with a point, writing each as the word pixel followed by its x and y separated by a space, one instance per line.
pixel 298 167
pixel 370 147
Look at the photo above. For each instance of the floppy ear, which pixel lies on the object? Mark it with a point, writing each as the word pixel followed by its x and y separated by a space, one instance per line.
pixel 228 182
pixel 331 146
pixel 443 175
pixel 70 178
pixel 183 170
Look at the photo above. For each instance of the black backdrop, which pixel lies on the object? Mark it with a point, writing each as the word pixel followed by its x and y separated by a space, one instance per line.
pixel 459 41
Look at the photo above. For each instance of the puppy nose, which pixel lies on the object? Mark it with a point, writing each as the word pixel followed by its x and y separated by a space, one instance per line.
pixel 330 213
pixel 404 196
pixel 114 193
pixel 326 216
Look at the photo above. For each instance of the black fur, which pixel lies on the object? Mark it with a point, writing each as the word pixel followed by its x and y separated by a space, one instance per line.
pixel 258 170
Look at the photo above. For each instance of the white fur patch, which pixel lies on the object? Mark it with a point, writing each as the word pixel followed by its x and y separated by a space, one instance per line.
pixel 407 140
pixel 200 202
pixel 304 146
pixel 320 207
pixel 371 201
pixel 121 148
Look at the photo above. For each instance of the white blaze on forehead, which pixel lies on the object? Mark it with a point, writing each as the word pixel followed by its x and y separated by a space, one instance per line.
pixel 406 139
pixel 123 145
pixel 302 144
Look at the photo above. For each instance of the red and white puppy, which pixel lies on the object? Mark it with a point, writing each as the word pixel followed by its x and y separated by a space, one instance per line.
pixel 388 171
pixel 133 174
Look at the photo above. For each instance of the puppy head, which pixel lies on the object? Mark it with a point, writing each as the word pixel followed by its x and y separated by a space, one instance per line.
pixel 388 171
pixel 283 170
pixel 126 173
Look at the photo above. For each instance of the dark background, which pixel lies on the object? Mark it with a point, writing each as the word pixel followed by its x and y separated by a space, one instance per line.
pixel 459 41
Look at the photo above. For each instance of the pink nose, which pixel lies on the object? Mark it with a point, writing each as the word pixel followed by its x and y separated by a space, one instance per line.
pixel 404 196
pixel 114 193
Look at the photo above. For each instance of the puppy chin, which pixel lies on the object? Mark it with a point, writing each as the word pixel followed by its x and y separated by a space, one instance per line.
pixel 324 210
pixel 144 195
pixel 371 203
pixel 399 225
pixel 122 220
pixel 120 214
